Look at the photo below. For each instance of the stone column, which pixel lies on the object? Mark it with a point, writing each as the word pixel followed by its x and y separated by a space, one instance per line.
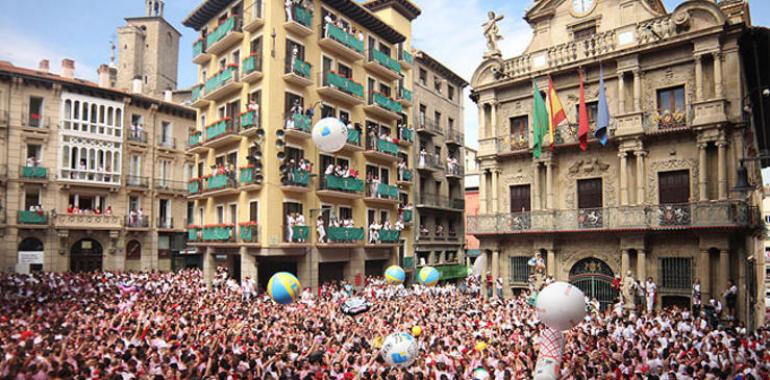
pixel 482 119
pixel 483 192
pixel 637 90
pixel 724 273
pixel 640 199
pixel 702 188
pixel 550 263
pixel 718 87
pixel 621 94
pixel 722 168
pixel 698 78
pixel 624 263
pixel 493 121
pixel 705 275
pixel 641 264
pixel 209 266
pixel 495 191
pixel 248 264
pixel 536 185
pixel 623 179
pixel 495 263
pixel 549 185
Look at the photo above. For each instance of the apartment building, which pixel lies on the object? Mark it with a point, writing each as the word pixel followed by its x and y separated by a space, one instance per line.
pixel 267 73
pixel 93 178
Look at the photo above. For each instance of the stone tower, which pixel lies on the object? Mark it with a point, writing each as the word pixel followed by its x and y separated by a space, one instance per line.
pixel 148 49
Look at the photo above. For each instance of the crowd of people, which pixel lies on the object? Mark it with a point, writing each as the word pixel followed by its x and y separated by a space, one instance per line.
pixel 75 210
pixel 170 326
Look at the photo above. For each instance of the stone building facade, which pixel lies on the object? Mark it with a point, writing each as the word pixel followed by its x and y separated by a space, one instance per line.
pixel 656 200
pixel 71 144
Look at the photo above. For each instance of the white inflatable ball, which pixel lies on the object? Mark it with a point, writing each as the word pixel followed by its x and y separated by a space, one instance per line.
pixel 480 374
pixel 561 306
pixel 399 350
pixel 330 135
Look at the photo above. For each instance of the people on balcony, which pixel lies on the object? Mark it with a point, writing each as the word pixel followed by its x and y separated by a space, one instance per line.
pixel 423 158
pixel 294 219
pixel 402 168
pixel 424 231
pixel 452 165
pixel 374 232
pixel 288 5
pixel 439 230
pixel 32 161
pixel 320 229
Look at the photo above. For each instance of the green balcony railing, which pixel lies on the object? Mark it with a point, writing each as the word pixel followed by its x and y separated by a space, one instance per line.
pixel 299 234
pixel 217 182
pixel 387 191
pixel 32 217
pixel 352 185
pixel 192 234
pixel 217 233
pixel 198 48
pixel 387 147
pixel 407 175
pixel 194 187
pixel 407 57
pixel 194 139
pixel 248 176
pixel 299 178
pixel 405 94
pixel 301 68
pixel 386 61
pixel 34 172
pixel 221 31
pixel 389 236
pixel 217 129
pixel 406 134
pixel 303 15
pixel 407 216
pixel 302 122
pixel 450 272
pixel 249 119
pixel 407 262
pixel 354 137
pixel 344 38
pixel 249 234
pixel 220 79
pixel 387 103
pixel 345 84
pixel 345 234
pixel 251 64
pixel 197 92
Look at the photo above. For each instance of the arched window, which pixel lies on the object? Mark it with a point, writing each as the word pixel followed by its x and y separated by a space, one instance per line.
pixel 109 116
pixel 83 158
pixel 76 114
pixel 74 164
pixel 65 159
pixel 101 114
pixel 100 158
pixel 118 117
pixel 92 159
pixel 85 111
pixel 93 113
pixel 116 165
pixel 108 160
pixel 31 245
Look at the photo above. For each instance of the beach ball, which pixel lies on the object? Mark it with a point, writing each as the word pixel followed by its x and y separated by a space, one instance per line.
pixel 399 350
pixel 561 306
pixel 395 275
pixel 480 346
pixel 283 288
pixel 330 134
pixel 480 374
pixel 416 331
pixel 428 276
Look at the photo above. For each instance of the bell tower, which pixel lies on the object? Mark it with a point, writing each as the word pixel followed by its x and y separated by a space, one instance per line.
pixel 154 8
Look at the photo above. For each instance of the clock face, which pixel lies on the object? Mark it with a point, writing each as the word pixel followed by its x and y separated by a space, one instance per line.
pixel 582 6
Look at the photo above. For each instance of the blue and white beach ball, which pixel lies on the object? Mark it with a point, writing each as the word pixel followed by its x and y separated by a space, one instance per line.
pixel 428 276
pixel 399 350
pixel 283 288
pixel 395 275
pixel 330 134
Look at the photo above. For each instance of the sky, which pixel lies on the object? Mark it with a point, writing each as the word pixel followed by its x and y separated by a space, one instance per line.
pixel 449 30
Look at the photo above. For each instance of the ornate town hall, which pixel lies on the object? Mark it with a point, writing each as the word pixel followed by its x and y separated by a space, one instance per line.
pixel 656 200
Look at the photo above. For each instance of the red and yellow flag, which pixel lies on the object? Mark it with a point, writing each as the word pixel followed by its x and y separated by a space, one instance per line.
pixel 556 113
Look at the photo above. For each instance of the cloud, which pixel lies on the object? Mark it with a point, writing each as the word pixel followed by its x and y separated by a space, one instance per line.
pixel 450 31
pixel 26 51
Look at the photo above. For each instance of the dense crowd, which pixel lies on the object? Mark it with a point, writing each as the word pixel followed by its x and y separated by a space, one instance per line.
pixel 169 326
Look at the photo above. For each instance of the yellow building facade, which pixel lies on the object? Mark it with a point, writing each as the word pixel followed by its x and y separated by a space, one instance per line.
pixel 262 193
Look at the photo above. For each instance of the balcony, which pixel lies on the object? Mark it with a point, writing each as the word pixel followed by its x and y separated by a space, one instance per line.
pixel 341 43
pixel 137 223
pixel 344 235
pixel 353 142
pixel 405 177
pixel 723 214
pixel 300 22
pixel 200 56
pixel 253 16
pixel 88 222
pixel 197 100
pixel 248 232
pixel 90 177
pixel 224 36
pixel 405 136
pixel 379 149
pixel 194 233
pixel 429 162
pixel 32 218
pixel 222 84
pixel 455 138
pixel 337 87
pixel 429 126
pixel 454 171
pixel 136 136
pixel 220 184
pixel 221 133
pixel 33 174
pixel 335 187
pixel 386 237
pixel 164 224
pixel 168 186
pixel 250 123
pixel 668 120
pixel 194 186
pixel 383 107
pixel 381 193
pixel 137 182
pixel 219 234
pixel 251 68
pixel 166 143
pixel 405 58
pixel 299 125
pixel 195 143
pixel 440 202
pixel 406 215
pixel 250 178
pixel 383 65
pixel 298 181
pixel 404 97
pixel 297 71
pixel 296 234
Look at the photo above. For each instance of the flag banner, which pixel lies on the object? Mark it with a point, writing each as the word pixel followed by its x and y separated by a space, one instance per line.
pixel 556 114
pixel 603 117
pixel 539 121
pixel 583 123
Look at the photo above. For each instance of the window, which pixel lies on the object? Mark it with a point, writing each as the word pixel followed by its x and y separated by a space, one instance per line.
pixel 220 214
pixel 451 124
pixel 520 198
pixel 519 132
pixel 190 212
pixel 437 118
pixel 253 211
pixel 583 33
pixel 233 211
pixel 164 169
pixel 294 49
pixel 423 111
pixel 589 193
pixel 423 77
pixel 164 213
pixel 31 198
pixel 592 109
pixel 450 92
pixel 135 165
pixel 165 133
pixel 33 154
pixel 675 272
pixel 519 269
pixel 291 100
pixel 671 100
pixel 328 111
pixel 674 187
pixel 133 203
pixel 437 84
pixel 35 111
pixel 345 71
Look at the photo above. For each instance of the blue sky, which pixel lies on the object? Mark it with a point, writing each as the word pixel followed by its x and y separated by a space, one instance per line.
pixel 450 30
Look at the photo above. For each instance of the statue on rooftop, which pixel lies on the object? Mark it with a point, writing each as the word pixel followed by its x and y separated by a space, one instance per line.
pixel 492 34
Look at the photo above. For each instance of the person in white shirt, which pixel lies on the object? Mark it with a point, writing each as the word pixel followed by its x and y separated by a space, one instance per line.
pixel 319 227
pixel 650 289
pixel 288 7
pixel 290 228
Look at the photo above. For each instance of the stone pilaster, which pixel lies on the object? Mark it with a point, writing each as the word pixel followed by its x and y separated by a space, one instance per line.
pixel 209 266
pixel 722 168
pixel 623 178
pixel 549 185
pixel 698 78
pixel 702 185
pixel 248 264
pixel 640 180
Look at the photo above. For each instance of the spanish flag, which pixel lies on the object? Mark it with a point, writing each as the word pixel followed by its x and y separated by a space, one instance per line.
pixel 556 113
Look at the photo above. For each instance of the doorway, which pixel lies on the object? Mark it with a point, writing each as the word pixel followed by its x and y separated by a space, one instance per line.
pixel 86 256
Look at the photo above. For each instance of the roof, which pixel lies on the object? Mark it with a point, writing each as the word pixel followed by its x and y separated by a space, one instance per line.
pixel 207 10
pixel 439 67
pixel 405 7
pixel 153 18
pixel 8 70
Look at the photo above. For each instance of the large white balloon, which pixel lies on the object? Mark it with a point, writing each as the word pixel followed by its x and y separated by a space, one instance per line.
pixel 561 306
pixel 399 350
pixel 330 134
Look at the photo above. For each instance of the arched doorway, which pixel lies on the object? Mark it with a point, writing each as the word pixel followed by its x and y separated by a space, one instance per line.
pixel 30 255
pixel 133 250
pixel 594 278
pixel 86 256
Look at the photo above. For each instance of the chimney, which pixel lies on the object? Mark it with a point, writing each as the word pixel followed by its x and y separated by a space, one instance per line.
pixel 44 66
pixel 136 85
pixel 168 95
pixel 67 68
pixel 104 76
